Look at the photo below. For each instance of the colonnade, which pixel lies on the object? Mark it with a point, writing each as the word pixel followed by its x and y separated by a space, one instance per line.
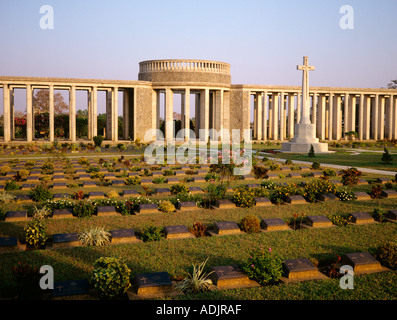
pixel 372 115
pixel 91 90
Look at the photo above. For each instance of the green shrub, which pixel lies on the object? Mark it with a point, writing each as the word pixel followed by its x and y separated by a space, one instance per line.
pixel 350 176
pixel 35 233
pixel 317 186
pixel 386 157
pixel 260 172
pixel 216 191
pixel 168 172
pixel 340 220
pixel 316 165
pixel 244 197
pixel 159 180
pixel 288 162
pixel 328 172
pixel 198 229
pixel 166 206
pixel 110 277
pixel 386 254
pixel 98 140
pixel 6 197
pixel 41 193
pixel 376 191
pixel 133 180
pixel 346 194
pixel 275 167
pixel 47 166
pixel 83 209
pixel 11 185
pixel 263 266
pixel 311 153
pixel 282 191
pixel 179 188
pixel 92 169
pixel 250 224
pixel 4 170
pixel 211 176
pixel 152 233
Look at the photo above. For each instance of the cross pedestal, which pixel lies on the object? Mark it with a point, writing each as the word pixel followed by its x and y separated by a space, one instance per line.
pixel 305 131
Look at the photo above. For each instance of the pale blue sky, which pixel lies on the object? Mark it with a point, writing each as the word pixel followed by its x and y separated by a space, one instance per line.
pixel 262 40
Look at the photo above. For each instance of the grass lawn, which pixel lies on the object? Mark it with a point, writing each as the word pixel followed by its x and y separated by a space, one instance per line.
pixel 177 256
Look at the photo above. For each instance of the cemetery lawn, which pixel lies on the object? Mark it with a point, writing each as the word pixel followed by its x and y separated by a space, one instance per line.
pixel 176 256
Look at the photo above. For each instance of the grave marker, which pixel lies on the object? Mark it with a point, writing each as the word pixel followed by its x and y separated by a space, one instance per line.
pixel 187 206
pixel 300 269
pixel 224 204
pixel 318 222
pixel 296 199
pixel 62 240
pixel 274 224
pixel 262 201
pixel 177 232
pixel 70 288
pixel 62 213
pixel 153 283
pixel 12 216
pixel 106 211
pixel 225 277
pixel 362 262
pixel 124 236
pixel 147 208
pixel 361 218
pixel 226 228
pixel 327 197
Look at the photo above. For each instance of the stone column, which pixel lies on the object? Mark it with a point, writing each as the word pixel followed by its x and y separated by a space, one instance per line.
pixel 219 113
pixel 109 121
pixel 265 112
pixel 29 113
pixel 51 112
pixel 72 113
pixel 282 117
pixel 330 116
pixel 393 106
pixel 291 115
pixel 115 118
pixel 314 109
pixel 94 110
pixel 346 114
pixel 270 118
pixel 367 118
pixel 186 118
pixel 12 113
pixel 337 121
pixel 6 113
pixel 169 115
pixel 298 108
pixel 126 114
pixel 375 118
pixel 381 118
pixel 275 107
pixel 361 118
pixel 197 115
pixel 204 114
pixel 352 115
pixel 226 115
pixel 321 116
pixel 258 117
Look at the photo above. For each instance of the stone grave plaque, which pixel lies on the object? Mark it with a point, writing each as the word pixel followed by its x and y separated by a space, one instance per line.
pixel 123 236
pixel 35 173
pixel 301 268
pixel 146 181
pixel 8 244
pixel 392 215
pixel 96 195
pixel 229 276
pixel 59 185
pixel 198 179
pixel 133 174
pixel 272 176
pixel 262 201
pixel 327 197
pixel 383 180
pixel 171 180
pixel 248 177
pixel 147 208
pixel 285 169
pixel 35 178
pixel 202 171
pixel 58 196
pixel 23 197
pixel 362 181
pixel 179 172
pixel 294 175
pixel 62 240
pixel 361 218
pixel 157 173
pixel 296 199
pixel 58 177
pixel 130 193
pixel 105 211
pixel 361 262
pixel 62 213
pixel 84 177
pixel 274 224
pixel 12 216
pixel 109 176
pixel 195 190
pixel 187 206
pixel 27 186
pixel 70 288
pixel 305 168
pixel 224 204
pixel 389 193
pixel 116 183
pixel 318 221
pixel 316 174
pixel 177 232
pixel 153 283
pixel 163 191
pixel 89 184
pixel 336 182
pixel 253 185
pixel 360 195
pixel 226 228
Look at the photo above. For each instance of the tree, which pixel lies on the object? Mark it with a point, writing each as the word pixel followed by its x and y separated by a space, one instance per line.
pixel 386 157
pixel 311 152
pixel 41 102
pixel 392 84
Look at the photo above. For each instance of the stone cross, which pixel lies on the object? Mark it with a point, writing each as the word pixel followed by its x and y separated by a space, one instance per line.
pixel 305 118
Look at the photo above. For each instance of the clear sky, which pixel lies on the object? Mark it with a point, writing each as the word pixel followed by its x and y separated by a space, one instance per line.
pixel 262 40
